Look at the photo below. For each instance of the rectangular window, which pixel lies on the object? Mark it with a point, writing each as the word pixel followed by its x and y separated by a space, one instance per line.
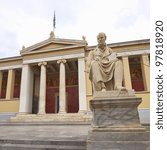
pixel 136 73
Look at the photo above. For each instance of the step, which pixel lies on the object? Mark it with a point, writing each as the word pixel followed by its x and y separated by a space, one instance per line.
pixel 118 145
pixel 42 142
pixel 8 144
pixel 69 117
pixel 39 147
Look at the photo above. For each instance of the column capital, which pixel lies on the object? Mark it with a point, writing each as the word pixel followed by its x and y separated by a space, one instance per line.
pixel 62 61
pixel 42 63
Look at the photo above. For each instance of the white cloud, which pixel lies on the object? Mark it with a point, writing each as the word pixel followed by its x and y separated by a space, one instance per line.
pixel 118 19
pixel 31 21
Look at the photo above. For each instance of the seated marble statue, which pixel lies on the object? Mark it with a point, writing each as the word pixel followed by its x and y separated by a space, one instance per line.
pixel 106 70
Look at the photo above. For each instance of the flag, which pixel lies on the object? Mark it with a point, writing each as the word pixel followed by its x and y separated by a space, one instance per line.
pixel 54 21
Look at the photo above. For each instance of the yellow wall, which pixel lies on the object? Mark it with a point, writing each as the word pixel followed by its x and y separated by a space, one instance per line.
pixel 9 105
pixel 145 99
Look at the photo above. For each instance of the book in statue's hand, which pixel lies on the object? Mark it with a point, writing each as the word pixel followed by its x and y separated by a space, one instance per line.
pixel 112 56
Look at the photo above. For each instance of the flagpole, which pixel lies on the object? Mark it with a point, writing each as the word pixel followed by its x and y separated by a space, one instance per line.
pixel 54 21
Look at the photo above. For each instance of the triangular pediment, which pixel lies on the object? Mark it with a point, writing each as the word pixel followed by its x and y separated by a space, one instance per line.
pixel 53 44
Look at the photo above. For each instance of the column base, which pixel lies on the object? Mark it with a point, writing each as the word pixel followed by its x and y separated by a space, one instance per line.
pixel 82 112
pixel 62 112
pixel 23 113
pixel 41 113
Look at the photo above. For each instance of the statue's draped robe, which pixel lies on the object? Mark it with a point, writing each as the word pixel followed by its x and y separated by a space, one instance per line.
pixel 102 65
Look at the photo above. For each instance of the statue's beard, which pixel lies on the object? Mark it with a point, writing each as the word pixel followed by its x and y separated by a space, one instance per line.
pixel 102 46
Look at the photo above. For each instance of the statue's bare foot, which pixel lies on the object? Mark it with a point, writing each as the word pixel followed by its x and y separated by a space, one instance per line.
pixel 121 88
pixel 103 90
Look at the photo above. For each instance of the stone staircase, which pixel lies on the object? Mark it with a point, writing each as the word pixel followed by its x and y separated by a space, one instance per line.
pixel 50 132
pixel 46 136
pixel 43 135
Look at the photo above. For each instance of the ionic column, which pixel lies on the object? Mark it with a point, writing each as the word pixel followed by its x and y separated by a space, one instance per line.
pixel 82 85
pixel 1 77
pixel 127 77
pixel 10 84
pixel 26 91
pixel 145 71
pixel 62 87
pixel 42 91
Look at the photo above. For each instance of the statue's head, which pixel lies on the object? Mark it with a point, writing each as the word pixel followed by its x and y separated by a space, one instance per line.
pixel 101 38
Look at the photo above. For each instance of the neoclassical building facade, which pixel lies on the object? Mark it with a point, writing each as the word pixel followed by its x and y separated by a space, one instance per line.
pixel 52 77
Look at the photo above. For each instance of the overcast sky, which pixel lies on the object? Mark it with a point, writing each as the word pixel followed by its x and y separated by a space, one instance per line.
pixel 26 22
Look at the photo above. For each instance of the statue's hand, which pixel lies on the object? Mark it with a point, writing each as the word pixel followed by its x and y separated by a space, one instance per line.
pixel 97 58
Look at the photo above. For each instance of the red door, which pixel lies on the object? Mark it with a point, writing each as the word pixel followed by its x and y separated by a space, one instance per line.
pixel 72 99
pixel 52 100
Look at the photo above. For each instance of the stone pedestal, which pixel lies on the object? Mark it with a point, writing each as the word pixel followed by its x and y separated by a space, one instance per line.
pixel 116 124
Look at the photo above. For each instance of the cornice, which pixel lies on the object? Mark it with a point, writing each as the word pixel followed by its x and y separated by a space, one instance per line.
pixel 122 44
pixel 53 49
pixel 11 59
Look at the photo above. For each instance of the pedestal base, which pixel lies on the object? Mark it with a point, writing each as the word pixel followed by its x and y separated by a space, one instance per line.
pixel 118 111
pixel 116 124
pixel 119 140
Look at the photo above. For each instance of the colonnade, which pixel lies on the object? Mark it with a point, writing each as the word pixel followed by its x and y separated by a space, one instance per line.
pixel 27 87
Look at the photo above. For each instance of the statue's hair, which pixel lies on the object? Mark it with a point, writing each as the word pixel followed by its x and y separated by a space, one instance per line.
pixel 102 33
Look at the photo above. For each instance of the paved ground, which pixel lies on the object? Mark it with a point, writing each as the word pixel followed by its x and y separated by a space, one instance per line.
pixel 6 116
